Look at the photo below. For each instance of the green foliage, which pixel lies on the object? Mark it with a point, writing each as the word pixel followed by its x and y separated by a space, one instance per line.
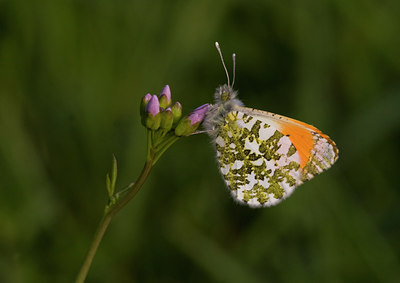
pixel 72 76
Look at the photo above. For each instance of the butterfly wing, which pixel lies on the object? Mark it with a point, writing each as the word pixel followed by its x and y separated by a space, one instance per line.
pixel 263 156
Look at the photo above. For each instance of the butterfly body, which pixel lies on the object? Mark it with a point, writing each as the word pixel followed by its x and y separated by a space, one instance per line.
pixel 263 156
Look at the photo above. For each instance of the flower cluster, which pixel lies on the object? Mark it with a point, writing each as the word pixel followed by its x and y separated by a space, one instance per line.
pixel 160 114
pixel 164 122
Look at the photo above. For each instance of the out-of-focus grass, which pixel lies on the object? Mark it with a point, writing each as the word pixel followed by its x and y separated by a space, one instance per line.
pixel 71 77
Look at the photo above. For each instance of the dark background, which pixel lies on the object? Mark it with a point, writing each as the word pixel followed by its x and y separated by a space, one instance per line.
pixel 72 74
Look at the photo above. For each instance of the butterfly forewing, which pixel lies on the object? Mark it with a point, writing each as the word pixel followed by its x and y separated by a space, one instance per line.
pixel 263 157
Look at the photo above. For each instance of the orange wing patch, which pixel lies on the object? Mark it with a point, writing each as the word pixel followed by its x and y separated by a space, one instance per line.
pixel 302 140
pixel 302 136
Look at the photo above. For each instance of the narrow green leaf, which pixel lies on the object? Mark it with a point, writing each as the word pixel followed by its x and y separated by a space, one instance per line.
pixel 108 184
pixel 114 174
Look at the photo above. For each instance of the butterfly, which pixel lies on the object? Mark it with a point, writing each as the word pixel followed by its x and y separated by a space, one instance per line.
pixel 263 156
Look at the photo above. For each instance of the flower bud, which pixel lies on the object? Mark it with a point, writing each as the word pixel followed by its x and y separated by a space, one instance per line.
pixel 143 103
pixel 153 107
pixel 165 97
pixel 152 115
pixel 183 127
pixel 189 124
pixel 177 112
pixel 198 114
pixel 167 118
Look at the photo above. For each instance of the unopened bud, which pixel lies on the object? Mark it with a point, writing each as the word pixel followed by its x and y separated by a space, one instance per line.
pixel 189 124
pixel 152 115
pixel 143 103
pixel 177 112
pixel 165 97
pixel 167 118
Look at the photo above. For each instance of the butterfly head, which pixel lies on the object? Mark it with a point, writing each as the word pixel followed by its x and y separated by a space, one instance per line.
pixel 225 101
pixel 224 93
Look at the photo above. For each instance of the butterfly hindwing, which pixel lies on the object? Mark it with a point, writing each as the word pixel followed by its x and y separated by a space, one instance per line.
pixel 263 157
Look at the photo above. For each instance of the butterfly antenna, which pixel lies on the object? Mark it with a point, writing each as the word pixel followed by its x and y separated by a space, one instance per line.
pixel 234 68
pixel 222 60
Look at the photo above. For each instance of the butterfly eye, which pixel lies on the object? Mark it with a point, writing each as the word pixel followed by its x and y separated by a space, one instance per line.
pixel 225 96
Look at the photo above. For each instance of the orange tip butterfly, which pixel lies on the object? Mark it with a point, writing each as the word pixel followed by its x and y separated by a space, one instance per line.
pixel 263 156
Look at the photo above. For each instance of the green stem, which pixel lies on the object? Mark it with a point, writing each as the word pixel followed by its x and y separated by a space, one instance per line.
pixel 149 143
pixel 98 236
pixel 136 187
pixel 105 221
pixel 124 190
pixel 167 140
pixel 164 148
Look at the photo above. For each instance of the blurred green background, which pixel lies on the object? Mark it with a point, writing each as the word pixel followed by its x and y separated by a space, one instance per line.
pixel 72 74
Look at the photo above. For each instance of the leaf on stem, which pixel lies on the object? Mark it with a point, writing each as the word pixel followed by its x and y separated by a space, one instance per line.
pixel 110 182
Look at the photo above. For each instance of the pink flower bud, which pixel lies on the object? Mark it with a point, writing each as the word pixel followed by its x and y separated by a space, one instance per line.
pixel 165 97
pixel 146 98
pixel 153 107
pixel 143 103
pixel 198 114
pixel 167 91
pixel 189 124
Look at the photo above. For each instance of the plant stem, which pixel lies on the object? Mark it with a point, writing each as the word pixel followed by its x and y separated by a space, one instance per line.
pixel 136 187
pixel 109 214
pixel 164 148
pixel 98 236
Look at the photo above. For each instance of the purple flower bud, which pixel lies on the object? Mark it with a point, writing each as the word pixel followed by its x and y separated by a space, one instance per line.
pixel 143 104
pixel 147 98
pixel 189 124
pixel 167 91
pixel 153 107
pixel 165 97
pixel 198 114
